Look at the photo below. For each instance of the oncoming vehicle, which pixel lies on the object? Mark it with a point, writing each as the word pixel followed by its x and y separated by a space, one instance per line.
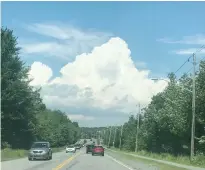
pixel 98 150
pixel 89 148
pixel 40 150
pixel 77 146
pixel 70 148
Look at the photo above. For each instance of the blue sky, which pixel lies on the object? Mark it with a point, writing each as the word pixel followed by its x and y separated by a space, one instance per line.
pixel 156 32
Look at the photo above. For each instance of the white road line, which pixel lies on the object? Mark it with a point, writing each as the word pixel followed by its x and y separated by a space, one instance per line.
pixel 119 162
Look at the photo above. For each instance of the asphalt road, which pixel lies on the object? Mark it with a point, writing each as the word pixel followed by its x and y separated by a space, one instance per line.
pixel 62 161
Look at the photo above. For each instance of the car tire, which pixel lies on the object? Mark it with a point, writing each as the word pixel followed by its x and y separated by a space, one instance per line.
pixel 103 154
pixel 29 159
pixel 92 154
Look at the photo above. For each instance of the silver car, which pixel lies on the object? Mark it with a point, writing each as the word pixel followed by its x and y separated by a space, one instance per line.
pixel 40 150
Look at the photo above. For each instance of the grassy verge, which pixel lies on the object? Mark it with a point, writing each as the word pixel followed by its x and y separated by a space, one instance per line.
pixel 10 154
pixel 199 160
pixel 148 164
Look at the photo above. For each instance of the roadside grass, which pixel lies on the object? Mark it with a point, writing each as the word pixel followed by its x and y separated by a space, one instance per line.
pixel 10 154
pixel 152 164
pixel 198 161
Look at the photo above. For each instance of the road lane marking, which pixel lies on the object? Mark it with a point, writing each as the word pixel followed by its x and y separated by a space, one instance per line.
pixel 66 161
pixel 119 162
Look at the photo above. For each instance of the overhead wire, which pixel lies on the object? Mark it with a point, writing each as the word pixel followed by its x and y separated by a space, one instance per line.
pixel 196 65
pixel 187 60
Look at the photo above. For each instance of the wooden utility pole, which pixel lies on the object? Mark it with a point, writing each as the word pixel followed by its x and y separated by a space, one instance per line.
pixel 138 120
pixel 109 137
pixel 114 137
pixel 121 137
pixel 193 108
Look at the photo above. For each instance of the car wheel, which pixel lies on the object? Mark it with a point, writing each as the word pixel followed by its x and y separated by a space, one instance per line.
pixel 29 159
pixel 92 154
pixel 47 158
pixel 102 154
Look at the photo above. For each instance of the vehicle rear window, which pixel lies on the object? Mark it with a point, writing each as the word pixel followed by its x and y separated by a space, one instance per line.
pixel 70 146
pixel 98 147
pixel 39 145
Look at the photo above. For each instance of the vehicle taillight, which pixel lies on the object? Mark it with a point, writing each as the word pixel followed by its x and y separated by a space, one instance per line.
pixel 98 149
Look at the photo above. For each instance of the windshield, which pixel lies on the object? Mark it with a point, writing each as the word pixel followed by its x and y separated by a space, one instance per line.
pixel 40 145
pixel 70 146
pixel 98 147
pixel 127 76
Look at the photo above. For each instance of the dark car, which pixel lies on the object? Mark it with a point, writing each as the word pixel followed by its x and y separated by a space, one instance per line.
pixel 89 148
pixel 77 146
pixel 98 150
pixel 40 150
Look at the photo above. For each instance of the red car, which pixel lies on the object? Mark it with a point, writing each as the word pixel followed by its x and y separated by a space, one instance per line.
pixel 98 150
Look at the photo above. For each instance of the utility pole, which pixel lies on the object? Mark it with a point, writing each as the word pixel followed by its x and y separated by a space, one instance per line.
pixel 121 137
pixel 109 137
pixel 138 120
pixel 193 108
pixel 114 137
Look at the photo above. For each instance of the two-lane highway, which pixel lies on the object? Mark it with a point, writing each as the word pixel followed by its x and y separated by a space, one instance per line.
pixel 88 162
pixel 66 161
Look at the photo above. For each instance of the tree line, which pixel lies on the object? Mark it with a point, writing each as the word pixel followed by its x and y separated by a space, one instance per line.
pixel 165 124
pixel 24 116
pixel 90 132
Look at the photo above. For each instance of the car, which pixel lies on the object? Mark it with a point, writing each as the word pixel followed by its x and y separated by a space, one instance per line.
pixel 70 148
pixel 89 148
pixel 40 150
pixel 98 150
pixel 77 146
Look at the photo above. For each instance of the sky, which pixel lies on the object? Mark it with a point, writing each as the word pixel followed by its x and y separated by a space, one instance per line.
pixel 95 60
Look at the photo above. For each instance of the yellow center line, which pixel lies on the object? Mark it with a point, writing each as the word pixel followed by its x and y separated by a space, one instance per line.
pixel 66 162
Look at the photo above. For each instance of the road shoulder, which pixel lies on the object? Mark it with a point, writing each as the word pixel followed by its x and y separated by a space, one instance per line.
pixel 141 163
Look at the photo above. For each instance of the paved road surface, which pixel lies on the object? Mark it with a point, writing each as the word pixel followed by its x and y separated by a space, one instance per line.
pixel 62 161
pixel 81 161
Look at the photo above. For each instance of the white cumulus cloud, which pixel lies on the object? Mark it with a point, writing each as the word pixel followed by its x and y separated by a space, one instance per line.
pixel 106 78
pixel 40 73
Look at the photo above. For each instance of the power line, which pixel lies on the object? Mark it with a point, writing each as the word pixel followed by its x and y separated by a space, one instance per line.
pixel 199 50
pixel 182 65
pixel 196 65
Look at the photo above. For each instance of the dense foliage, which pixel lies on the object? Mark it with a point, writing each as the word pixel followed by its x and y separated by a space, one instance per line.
pixel 165 124
pixel 24 117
